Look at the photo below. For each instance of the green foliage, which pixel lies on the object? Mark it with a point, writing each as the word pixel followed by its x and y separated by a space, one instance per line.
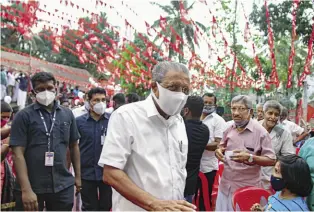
pixel 280 21
pixel 186 31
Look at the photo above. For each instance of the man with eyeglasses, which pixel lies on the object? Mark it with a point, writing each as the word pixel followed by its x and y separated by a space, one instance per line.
pixel 209 163
pixel 40 136
pixel 145 152
pixel 92 127
pixel 245 148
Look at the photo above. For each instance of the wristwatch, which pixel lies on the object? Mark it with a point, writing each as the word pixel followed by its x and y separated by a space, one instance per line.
pixel 250 160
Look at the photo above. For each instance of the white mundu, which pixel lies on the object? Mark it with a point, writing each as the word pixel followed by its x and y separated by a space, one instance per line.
pixel 152 151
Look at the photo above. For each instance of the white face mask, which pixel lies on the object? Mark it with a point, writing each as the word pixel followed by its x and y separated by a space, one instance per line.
pixel 45 97
pixel 169 101
pixel 100 108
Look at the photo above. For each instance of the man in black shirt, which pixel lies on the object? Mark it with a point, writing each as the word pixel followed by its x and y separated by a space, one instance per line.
pixel 40 136
pixel 198 136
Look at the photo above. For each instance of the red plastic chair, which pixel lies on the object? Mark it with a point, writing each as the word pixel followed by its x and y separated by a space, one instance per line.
pixel 216 184
pixel 297 151
pixel 205 192
pixel 244 198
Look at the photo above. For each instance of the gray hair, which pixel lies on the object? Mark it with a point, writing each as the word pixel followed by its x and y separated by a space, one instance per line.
pixel 243 99
pixel 260 105
pixel 272 104
pixel 162 68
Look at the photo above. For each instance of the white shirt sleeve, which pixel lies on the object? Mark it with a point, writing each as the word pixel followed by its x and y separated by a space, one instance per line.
pixel 296 129
pixel 287 144
pixel 220 127
pixel 118 142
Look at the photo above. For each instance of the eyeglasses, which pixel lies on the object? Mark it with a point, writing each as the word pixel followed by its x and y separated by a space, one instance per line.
pixel 241 109
pixel 177 88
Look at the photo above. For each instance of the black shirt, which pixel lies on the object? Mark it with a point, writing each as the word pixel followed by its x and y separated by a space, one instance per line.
pixel 91 132
pixel 28 131
pixel 198 137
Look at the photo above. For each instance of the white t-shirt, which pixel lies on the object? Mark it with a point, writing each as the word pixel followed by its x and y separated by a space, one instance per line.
pixel 216 125
pixel 152 151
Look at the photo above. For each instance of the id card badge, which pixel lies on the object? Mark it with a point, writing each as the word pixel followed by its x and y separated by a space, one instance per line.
pixel 49 158
pixel 103 138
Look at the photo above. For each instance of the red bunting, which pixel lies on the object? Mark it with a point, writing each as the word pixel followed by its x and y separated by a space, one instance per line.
pixel 274 75
pixel 308 61
pixel 294 34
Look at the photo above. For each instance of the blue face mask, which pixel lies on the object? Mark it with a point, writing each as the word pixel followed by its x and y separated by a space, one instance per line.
pixel 277 183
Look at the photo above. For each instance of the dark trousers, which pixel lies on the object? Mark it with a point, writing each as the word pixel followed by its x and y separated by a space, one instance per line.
pixel 210 178
pixel 61 201
pixel 96 196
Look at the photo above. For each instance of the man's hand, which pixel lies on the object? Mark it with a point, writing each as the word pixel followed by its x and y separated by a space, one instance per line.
pixel 29 200
pixel 219 153
pixel 78 184
pixel 257 207
pixel 240 156
pixel 172 205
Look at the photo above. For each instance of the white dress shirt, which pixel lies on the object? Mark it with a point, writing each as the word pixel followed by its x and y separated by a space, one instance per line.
pixel 152 151
pixel 293 128
pixel 216 125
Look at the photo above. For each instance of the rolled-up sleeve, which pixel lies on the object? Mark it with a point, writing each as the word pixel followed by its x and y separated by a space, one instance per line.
pixel 19 128
pixel 74 133
pixel 266 147
pixel 287 144
pixel 220 127
pixel 297 130
pixel 118 142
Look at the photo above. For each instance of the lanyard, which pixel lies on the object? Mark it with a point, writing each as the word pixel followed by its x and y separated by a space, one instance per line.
pixel 52 125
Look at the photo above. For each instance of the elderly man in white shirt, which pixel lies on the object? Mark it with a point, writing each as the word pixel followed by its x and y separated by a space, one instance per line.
pixel 216 125
pixel 281 139
pixel 145 149
pixel 298 133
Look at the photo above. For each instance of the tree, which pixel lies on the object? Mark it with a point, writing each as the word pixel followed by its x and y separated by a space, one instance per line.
pixel 12 36
pixel 281 23
pixel 184 30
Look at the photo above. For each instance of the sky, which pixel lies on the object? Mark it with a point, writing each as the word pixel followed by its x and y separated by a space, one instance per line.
pixel 146 12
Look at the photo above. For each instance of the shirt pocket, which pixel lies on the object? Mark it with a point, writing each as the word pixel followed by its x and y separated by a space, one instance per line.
pixel 38 132
pixel 65 132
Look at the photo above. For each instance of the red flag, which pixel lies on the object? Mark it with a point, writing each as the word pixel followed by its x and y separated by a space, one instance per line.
pixel 148 28
pixel 162 23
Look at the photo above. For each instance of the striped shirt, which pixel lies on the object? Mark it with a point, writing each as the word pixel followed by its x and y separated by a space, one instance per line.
pixel 275 203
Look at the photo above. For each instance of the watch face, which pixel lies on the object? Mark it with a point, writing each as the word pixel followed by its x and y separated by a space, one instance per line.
pixel 250 158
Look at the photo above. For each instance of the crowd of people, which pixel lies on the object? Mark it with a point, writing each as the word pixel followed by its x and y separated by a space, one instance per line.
pixel 146 155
